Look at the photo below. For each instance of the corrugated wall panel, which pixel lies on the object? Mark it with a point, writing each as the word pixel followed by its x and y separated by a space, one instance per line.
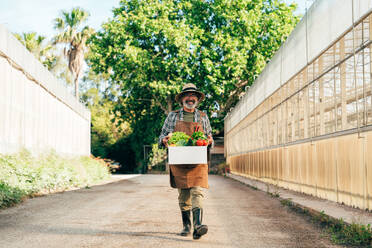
pixel 318 139
pixel 38 113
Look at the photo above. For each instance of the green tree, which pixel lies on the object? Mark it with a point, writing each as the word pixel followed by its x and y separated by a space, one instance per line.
pixel 74 38
pixel 105 127
pixel 151 48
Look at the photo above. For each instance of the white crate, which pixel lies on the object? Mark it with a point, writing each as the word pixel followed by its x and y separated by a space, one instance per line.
pixel 187 155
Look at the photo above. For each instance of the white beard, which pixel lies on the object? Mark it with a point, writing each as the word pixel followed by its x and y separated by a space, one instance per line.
pixel 190 106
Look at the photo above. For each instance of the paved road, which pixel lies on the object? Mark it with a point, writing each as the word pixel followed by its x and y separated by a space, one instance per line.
pixel 143 212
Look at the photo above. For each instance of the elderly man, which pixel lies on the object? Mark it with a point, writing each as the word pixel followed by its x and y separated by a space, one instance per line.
pixel 189 179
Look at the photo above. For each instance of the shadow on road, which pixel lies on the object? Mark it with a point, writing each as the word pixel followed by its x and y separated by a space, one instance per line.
pixel 97 232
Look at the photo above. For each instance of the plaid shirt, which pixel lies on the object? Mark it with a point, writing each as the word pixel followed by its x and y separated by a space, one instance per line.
pixel 170 123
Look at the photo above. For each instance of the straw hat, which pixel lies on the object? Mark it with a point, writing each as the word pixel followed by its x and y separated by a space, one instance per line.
pixel 189 88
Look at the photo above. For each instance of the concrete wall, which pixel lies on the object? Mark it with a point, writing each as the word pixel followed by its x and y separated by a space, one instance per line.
pixel 36 111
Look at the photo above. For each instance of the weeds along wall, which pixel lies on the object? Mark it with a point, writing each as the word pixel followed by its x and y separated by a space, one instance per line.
pixel 36 111
pixel 306 122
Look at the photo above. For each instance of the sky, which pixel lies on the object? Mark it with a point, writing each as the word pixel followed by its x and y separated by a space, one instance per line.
pixel 37 15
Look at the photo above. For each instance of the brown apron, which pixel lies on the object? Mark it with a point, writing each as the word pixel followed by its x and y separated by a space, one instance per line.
pixel 185 176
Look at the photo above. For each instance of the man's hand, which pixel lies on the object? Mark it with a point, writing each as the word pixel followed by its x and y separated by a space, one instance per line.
pixel 210 140
pixel 166 138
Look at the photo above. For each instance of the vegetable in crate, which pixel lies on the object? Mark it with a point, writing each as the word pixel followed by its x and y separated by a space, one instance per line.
pixel 178 139
pixel 199 138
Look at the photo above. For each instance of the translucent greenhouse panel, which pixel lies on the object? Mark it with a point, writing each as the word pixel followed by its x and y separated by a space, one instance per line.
pixel 367 26
pixel 230 123
pixel 78 131
pixel 42 129
pixel 250 101
pixel 12 48
pixel 3 38
pixel 361 7
pixel 294 52
pixel 16 104
pixel 361 83
pixel 18 53
pixel 3 102
pixel 29 107
pixel 368 84
pixel 316 92
pixel 322 33
pixel 350 95
pixel 45 79
pixel 290 119
pixel 33 65
pixel 296 116
pixel 6 99
pixel 273 78
pixel 244 106
pixel 38 119
pixel 24 57
pixel 264 80
pixel 74 137
pixel 259 92
pixel 234 120
pixel 301 114
pixel 280 123
pixel 329 102
pixel 239 111
pixel 311 110
pixel 227 124
pixel 51 115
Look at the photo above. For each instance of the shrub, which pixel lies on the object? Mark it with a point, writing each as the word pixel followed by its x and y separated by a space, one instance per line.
pixel 23 175
pixel 223 168
pixel 157 157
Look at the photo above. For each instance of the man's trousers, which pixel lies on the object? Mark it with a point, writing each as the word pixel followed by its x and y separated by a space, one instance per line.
pixel 190 198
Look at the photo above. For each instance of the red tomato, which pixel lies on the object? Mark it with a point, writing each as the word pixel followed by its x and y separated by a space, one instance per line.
pixel 205 143
pixel 199 142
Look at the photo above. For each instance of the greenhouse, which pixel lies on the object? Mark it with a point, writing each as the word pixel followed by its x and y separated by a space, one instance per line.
pixel 305 124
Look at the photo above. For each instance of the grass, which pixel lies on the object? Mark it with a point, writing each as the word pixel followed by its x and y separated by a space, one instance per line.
pixel 354 235
pixel 274 194
pixel 23 175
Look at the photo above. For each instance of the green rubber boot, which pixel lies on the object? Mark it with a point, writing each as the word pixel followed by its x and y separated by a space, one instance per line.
pixel 186 223
pixel 199 228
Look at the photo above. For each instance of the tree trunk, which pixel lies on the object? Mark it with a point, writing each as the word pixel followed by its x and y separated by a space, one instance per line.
pixel 75 59
pixel 169 104
pixel 76 81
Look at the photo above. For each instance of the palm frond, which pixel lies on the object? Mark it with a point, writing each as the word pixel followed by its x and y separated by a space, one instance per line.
pixel 59 24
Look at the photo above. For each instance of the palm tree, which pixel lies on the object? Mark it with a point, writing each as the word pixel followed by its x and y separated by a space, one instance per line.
pixel 74 39
pixel 36 45
pixel 46 53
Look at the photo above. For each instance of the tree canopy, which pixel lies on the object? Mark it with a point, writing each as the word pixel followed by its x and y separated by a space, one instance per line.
pixel 151 48
pixel 148 50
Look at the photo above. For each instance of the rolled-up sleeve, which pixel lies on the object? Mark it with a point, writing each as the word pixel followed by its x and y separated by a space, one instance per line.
pixel 168 127
pixel 207 127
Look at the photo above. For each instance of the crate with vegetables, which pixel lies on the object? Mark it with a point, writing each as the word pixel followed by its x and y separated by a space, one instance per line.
pixel 185 149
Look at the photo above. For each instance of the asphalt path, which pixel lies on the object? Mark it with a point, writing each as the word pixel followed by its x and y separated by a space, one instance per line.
pixel 143 211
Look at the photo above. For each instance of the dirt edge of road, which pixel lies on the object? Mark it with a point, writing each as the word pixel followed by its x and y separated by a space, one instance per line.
pixel 326 223
pixel 112 179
